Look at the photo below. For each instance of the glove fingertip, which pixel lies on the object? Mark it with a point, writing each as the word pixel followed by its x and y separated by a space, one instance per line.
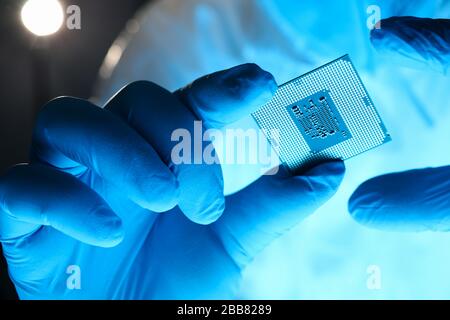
pixel 105 228
pixel 360 205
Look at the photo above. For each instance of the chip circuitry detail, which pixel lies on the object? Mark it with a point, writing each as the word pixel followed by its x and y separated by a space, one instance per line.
pixel 323 114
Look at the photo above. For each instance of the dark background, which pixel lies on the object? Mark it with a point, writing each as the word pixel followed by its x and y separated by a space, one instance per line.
pixel 33 70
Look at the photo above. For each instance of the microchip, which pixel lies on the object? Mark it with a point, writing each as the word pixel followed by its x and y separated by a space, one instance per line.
pixel 322 115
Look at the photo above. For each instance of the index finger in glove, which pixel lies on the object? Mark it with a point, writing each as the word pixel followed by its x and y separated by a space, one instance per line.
pixel 415 200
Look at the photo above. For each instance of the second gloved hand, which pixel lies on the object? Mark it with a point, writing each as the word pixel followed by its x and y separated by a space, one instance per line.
pixel 415 200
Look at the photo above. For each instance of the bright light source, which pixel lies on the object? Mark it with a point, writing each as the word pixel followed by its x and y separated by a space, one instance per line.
pixel 42 17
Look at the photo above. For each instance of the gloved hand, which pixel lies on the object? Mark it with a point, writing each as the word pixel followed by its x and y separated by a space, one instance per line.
pixel 102 211
pixel 414 200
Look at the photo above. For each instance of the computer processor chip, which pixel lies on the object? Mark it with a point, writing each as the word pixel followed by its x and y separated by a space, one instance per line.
pixel 322 115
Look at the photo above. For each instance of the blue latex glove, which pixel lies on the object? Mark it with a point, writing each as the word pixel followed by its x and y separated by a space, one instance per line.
pixel 415 200
pixel 91 202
